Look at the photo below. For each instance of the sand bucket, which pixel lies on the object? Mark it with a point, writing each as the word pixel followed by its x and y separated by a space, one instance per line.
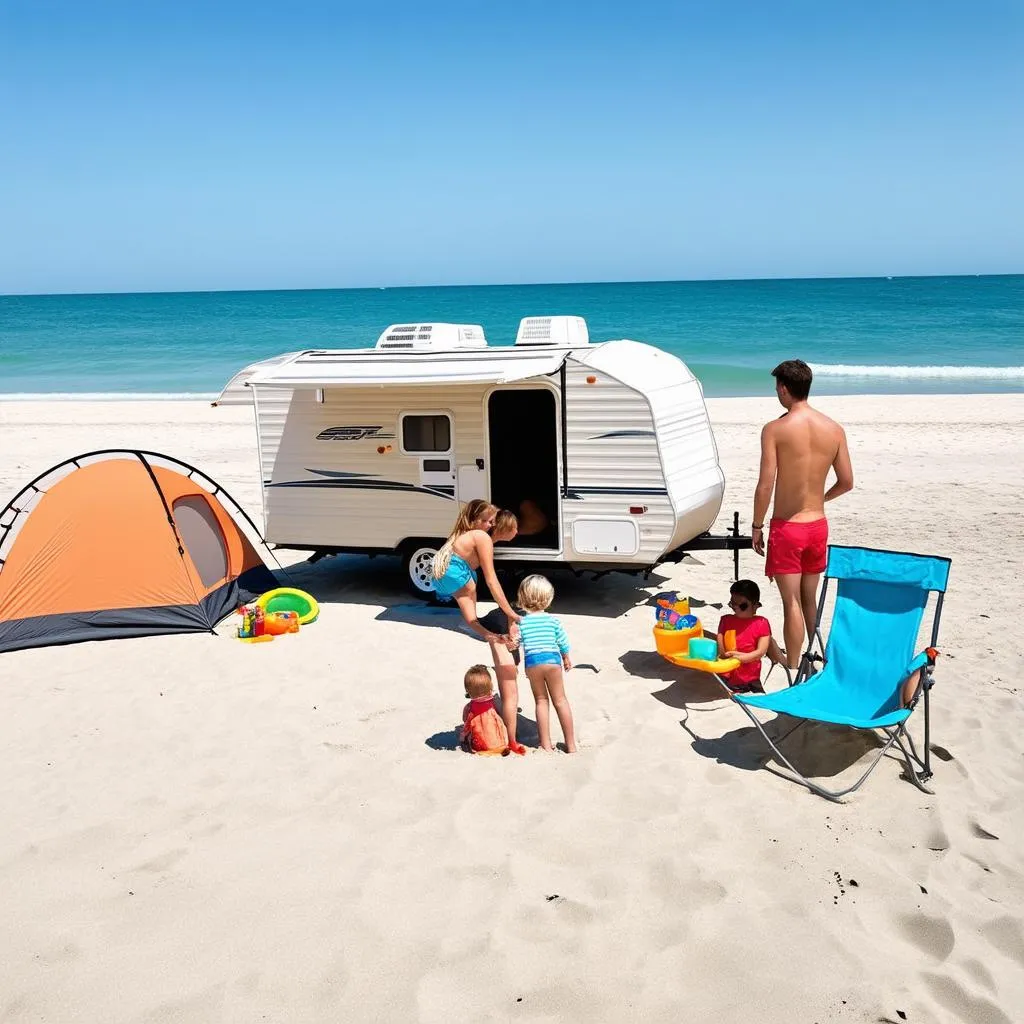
pixel 677 640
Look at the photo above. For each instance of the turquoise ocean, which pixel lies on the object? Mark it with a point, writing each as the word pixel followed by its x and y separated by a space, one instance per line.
pixel 861 335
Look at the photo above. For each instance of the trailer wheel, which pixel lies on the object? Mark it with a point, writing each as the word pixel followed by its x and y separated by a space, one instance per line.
pixel 418 562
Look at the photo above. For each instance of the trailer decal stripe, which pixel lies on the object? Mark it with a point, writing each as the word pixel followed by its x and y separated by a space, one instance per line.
pixel 369 485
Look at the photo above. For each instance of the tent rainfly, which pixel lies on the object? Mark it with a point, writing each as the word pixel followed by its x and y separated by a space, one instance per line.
pixel 121 543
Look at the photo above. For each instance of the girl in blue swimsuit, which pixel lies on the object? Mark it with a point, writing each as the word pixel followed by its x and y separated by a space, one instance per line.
pixel 468 548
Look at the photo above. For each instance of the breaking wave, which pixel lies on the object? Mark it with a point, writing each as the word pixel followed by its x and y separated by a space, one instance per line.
pixel 934 372
pixel 108 396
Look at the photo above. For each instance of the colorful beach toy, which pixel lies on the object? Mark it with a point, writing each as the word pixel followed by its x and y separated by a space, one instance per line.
pixel 702 655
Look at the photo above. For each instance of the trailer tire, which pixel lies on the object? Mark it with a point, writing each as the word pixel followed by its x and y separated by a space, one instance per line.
pixel 417 565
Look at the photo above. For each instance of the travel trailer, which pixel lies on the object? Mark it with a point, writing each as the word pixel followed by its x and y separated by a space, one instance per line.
pixel 372 450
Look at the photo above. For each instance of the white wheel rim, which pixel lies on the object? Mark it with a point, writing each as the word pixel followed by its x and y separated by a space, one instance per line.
pixel 421 569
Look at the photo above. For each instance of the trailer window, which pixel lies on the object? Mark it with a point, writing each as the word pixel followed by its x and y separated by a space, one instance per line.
pixel 426 433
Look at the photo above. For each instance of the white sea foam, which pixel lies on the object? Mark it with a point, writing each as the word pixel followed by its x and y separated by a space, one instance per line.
pixel 108 396
pixel 935 372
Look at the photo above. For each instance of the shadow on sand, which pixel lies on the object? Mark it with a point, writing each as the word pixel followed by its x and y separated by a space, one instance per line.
pixel 696 604
pixel 360 579
pixel 526 733
pixel 684 685
pixel 816 749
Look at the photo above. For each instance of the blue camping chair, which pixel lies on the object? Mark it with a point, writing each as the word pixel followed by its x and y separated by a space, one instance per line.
pixel 880 602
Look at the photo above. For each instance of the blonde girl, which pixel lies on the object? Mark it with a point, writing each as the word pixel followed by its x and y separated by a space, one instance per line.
pixel 546 654
pixel 469 548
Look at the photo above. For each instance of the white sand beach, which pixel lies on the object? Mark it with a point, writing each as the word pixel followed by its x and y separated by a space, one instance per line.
pixel 198 830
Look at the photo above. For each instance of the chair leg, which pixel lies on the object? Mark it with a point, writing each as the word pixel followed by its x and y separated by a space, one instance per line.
pixel 926 771
pixel 918 778
pixel 828 794
pixel 805 670
pixel 784 668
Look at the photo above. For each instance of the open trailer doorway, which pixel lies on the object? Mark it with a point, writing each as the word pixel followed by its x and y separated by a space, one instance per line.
pixel 522 430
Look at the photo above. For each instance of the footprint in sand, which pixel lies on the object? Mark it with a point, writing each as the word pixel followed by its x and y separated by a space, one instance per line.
pixel 66 954
pixel 205 1005
pixel 1007 935
pixel 690 881
pixel 936 838
pixel 969 1009
pixel 569 911
pixel 163 862
pixel 379 713
pixel 207 830
pixel 982 833
pixel 932 935
pixel 981 974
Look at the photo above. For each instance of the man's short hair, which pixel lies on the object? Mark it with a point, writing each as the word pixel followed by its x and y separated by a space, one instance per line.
pixel 795 375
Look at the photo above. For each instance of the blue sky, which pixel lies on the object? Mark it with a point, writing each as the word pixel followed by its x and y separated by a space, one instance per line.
pixel 155 146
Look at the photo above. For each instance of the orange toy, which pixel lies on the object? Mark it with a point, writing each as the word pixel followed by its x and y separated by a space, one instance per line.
pixel 276 623
pixel 675 641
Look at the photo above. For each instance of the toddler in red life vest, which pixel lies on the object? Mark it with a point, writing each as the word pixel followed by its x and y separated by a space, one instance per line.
pixel 483 731
pixel 746 636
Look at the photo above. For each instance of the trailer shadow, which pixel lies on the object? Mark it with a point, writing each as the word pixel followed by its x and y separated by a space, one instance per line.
pixel 365 580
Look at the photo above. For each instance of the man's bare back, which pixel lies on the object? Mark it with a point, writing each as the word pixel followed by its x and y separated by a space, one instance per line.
pixel 797 452
pixel 807 445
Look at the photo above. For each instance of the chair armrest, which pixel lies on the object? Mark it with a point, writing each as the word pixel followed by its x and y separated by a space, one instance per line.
pixel 920 661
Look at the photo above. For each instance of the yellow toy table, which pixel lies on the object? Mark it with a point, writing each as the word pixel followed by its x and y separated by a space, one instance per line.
pixel 719 667
pixel 673 642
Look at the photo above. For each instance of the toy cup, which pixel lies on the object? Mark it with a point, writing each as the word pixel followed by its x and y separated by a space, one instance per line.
pixel 703 650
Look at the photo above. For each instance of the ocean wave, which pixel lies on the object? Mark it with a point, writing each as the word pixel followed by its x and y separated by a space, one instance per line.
pixel 108 396
pixel 935 372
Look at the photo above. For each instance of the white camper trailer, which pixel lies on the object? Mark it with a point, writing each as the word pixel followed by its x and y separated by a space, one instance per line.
pixel 372 450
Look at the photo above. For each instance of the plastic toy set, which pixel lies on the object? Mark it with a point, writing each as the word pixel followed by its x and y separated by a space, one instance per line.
pixel 679 638
pixel 275 613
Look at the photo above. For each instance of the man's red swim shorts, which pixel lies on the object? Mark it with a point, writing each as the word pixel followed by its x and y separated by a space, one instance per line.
pixel 796 547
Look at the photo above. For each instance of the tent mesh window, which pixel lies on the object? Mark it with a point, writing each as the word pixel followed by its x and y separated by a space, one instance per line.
pixel 201 534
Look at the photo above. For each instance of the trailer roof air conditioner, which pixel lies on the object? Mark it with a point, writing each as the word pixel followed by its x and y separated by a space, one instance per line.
pixel 559 331
pixel 431 337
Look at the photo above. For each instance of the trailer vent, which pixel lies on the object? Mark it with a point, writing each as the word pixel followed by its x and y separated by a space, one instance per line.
pixel 432 337
pixel 557 331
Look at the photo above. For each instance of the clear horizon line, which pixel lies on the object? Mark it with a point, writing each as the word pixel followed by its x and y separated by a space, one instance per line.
pixel 518 284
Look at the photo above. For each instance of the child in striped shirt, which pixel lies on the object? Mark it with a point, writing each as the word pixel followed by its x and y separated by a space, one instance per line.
pixel 545 654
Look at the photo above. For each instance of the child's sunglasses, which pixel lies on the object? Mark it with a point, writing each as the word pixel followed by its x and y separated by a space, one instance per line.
pixel 740 606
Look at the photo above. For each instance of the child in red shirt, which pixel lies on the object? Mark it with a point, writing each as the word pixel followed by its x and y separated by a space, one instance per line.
pixel 483 731
pixel 748 635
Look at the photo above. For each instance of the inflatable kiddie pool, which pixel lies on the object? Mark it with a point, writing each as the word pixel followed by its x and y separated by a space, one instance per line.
pixel 287 599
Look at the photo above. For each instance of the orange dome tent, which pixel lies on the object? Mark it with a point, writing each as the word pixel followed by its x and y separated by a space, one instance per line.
pixel 122 543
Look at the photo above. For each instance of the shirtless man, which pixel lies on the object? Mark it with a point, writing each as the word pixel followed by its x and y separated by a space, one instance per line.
pixel 797 451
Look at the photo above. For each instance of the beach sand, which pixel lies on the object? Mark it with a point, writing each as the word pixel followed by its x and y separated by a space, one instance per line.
pixel 198 830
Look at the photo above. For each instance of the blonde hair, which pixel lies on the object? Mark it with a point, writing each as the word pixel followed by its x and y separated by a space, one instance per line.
pixel 468 515
pixel 478 682
pixel 506 522
pixel 535 593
